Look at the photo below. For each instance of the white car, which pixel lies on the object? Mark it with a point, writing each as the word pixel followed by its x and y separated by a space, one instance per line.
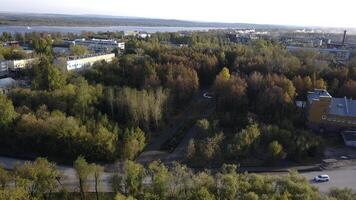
pixel 322 178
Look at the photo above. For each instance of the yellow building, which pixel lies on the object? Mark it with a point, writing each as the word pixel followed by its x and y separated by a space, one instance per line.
pixel 326 113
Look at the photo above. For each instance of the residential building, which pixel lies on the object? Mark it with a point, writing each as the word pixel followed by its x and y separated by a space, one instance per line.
pixel 78 63
pixel 327 113
pixel 6 84
pixel 100 45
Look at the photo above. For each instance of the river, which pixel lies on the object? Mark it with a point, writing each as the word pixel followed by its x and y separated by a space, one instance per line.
pixel 73 29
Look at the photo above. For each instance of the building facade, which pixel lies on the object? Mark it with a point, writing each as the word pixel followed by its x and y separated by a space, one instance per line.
pixel 326 113
pixel 99 45
pixel 14 65
pixel 4 70
pixel 78 63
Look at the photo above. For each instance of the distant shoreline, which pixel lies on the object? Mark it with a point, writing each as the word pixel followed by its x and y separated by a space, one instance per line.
pixel 80 29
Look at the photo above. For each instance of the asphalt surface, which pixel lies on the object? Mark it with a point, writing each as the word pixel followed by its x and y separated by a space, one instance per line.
pixel 341 178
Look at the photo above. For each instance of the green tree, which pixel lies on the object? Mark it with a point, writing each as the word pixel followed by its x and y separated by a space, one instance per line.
pixel 97 171
pixel 275 150
pixel 160 178
pixel 43 46
pixel 342 194
pixel 43 176
pixel 244 139
pixel 78 50
pixel 134 141
pixel 47 77
pixel 7 112
pixel 134 174
pixel 5 177
pixel 84 170
pixel 203 194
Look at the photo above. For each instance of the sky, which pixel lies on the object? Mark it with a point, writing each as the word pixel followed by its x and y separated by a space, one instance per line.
pixel 328 13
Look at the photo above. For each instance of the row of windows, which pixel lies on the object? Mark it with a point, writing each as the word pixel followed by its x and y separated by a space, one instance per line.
pixel 339 120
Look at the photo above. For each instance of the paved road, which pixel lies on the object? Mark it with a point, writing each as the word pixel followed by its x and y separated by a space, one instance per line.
pixel 341 177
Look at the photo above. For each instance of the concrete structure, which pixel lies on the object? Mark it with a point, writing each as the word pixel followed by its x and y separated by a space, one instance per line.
pixel 77 63
pixel 339 54
pixel 99 45
pixel 6 84
pixel 326 113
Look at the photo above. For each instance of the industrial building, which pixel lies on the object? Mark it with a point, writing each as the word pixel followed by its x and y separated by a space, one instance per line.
pixel 338 54
pixel 78 63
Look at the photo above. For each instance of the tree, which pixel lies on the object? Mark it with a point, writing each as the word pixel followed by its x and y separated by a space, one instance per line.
pixel 47 77
pixel 43 176
pixel 84 170
pixel 7 112
pixel 203 194
pixel 160 178
pixel 134 174
pixel 342 194
pixel 5 177
pixel 224 74
pixel 244 139
pixel 275 150
pixel 78 50
pixel 43 46
pixel 123 197
pixel 97 171
pixel 18 193
pixel 134 141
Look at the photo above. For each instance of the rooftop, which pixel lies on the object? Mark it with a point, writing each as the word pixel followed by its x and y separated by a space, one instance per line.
pixel 343 107
pixel 7 82
pixel 338 106
pixel 316 94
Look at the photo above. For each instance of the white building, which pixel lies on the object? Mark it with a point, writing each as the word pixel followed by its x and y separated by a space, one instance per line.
pixel 99 45
pixel 77 63
pixel 14 65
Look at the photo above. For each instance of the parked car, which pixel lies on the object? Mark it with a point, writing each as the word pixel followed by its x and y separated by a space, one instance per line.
pixel 322 178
